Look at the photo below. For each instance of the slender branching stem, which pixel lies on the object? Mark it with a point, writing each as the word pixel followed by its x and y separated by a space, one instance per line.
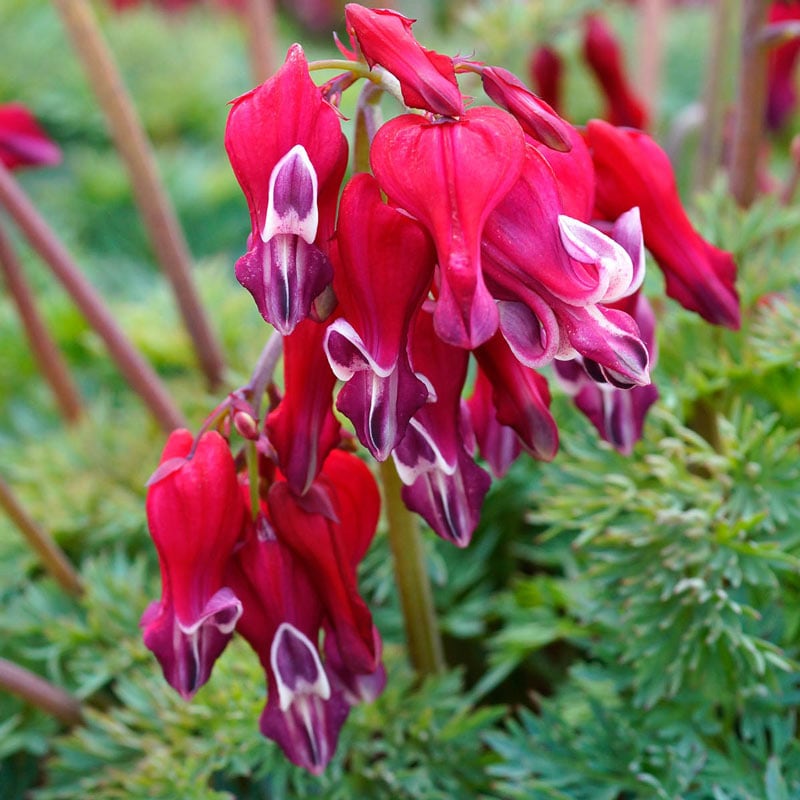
pixel 413 584
pixel 52 556
pixel 368 120
pixel 261 40
pixel 715 96
pixel 139 374
pixel 751 103
pixel 264 370
pixel 358 68
pixel 41 693
pixel 43 346
pixel 158 215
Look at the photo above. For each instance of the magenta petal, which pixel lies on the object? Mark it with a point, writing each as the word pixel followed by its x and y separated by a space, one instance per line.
pixel 535 116
pixel 531 329
pixel 377 401
pixel 427 78
pixel 303 428
pixel 614 266
pixel 604 56
pixel 292 197
pixel 450 502
pixel 632 170
pixel 284 275
pixel 358 687
pixel 450 176
pixel 610 338
pixel 187 652
pixel 379 285
pixel 322 547
pixel 264 127
pixel 498 443
pixel 521 397
pixel 303 715
pixel 618 414
pixel 522 237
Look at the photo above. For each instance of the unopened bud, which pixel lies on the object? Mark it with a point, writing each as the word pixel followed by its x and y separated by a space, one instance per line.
pixel 246 425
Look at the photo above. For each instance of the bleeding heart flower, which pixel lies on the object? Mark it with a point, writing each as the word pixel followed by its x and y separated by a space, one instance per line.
pixel 617 414
pixel 303 428
pixel 289 155
pixel 553 275
pixel 498 444
pixel 379 287
pixel 450 176
pixel 521 398
pixel 632 170
pixel 442 482
pixel 295 573
pixel 535 117
pixel 427 78
pixel 196 514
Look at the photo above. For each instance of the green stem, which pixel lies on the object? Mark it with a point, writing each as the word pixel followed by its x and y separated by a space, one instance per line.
pixel 751 103
pixel 158 215
pixel 49 552
pixel 413 584
pixel 358 69
pixel 39 692
pixel 368 120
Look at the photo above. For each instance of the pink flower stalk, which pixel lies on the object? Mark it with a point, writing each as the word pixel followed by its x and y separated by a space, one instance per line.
pixel 379 286
pixel 289 155
pixel 427 78
pixel 632 170
pixel 196 514
pixel 604 55
pixel 23 142
pixel 450 175
pixel 505 233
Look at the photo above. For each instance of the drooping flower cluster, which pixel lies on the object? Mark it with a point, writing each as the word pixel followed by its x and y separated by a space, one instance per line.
pixel 279 575
pixel 507 237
